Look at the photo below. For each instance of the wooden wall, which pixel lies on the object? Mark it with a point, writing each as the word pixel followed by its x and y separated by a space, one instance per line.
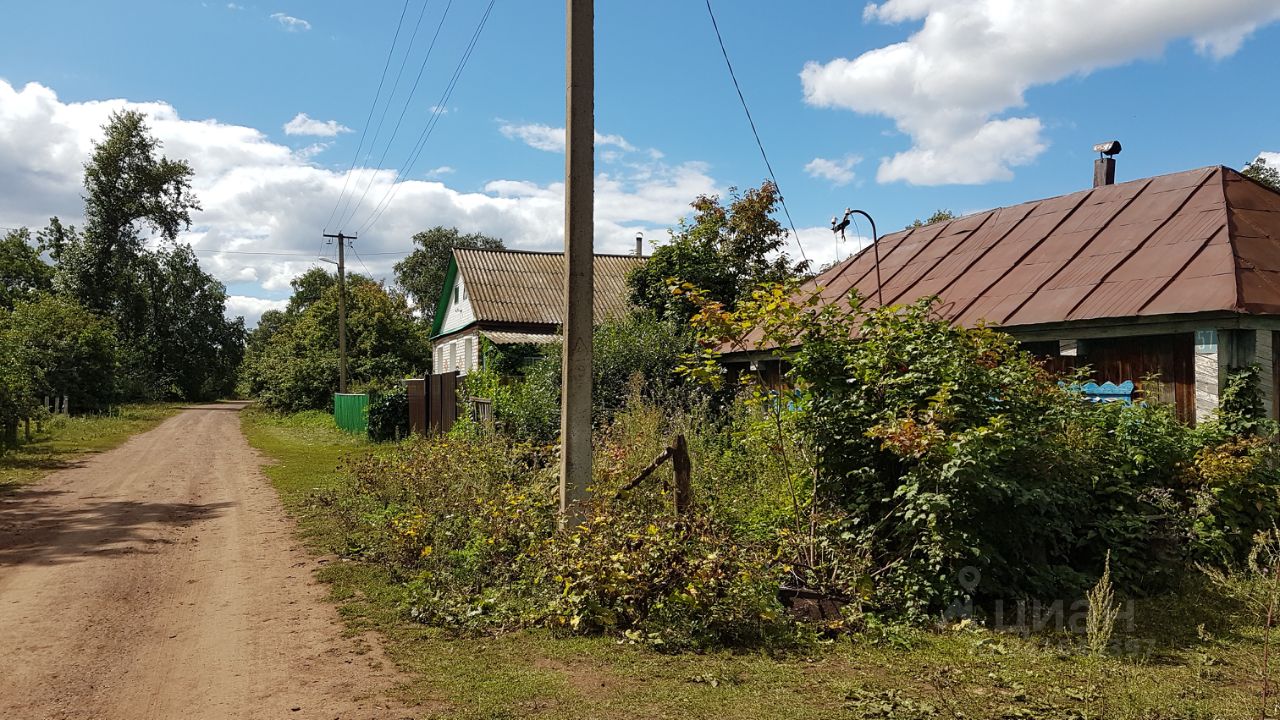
pixel 1169 357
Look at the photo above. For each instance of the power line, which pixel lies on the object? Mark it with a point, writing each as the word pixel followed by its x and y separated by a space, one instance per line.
pixel 284 254
pixel 432 122
pixel 255 252
pixel 755 132
pixel 408 100
pixel 372 107
pixel 366 267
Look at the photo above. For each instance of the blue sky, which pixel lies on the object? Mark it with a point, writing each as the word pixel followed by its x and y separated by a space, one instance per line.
pixel 905 107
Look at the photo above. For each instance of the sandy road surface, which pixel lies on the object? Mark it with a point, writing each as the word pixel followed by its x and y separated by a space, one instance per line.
pixel 162 580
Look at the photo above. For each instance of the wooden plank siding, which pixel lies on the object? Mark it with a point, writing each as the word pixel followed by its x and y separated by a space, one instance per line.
pixel 1170 357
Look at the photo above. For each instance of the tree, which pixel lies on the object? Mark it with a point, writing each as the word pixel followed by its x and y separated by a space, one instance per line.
pixel 127 188
pixel 725 251
pixel 940 215
pixel 168 313
pixel 23 273
pixel 292 363
pixel 193 350
pixel 1262 172
pixel 18 380
pixel 421 274
pixel 68 350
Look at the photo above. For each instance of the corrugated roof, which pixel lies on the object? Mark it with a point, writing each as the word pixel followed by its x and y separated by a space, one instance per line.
pixel 1203 240
pixel 498 337
pixel 513 286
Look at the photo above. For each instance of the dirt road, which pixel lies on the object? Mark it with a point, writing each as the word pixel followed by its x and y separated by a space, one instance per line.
pixel 162 580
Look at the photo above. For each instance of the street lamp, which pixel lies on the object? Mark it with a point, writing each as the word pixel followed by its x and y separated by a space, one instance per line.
pixel 840 225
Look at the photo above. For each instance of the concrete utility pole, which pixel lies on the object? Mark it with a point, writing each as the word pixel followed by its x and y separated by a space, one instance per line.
pixel 342 308
pixel 579 256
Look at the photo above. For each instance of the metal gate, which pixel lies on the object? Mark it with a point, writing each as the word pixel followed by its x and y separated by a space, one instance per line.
pixel 433 403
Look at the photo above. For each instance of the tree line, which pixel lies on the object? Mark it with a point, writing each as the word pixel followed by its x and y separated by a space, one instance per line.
pixel 118 310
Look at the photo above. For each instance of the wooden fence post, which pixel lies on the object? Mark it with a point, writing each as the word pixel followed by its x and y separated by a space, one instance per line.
pixel 683 469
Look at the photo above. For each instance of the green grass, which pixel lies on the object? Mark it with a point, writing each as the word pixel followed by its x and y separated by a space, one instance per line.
pixel 65 440
pixel 1195 655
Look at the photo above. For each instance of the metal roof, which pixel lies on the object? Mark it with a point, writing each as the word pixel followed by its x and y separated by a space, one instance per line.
pixel 513 286
pixel 1205 240
pixel 499 337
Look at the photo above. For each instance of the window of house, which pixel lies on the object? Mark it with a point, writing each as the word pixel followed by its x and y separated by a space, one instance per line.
pixel 455 293
pixel 453 355
pixel 468 363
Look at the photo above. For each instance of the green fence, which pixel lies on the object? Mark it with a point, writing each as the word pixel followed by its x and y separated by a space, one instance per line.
pixel 351 411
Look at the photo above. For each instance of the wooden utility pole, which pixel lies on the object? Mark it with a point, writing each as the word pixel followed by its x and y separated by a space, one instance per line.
pixel 579 256
pixel 342 308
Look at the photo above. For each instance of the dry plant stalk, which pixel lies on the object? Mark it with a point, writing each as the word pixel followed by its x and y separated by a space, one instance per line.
pixel 1270 623
pixel 1103 612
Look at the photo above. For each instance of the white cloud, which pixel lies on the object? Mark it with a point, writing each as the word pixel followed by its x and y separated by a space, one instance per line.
pixel 839 172
pixel 251 308
pixel 440 171
pixel 303 124
pixel 233 6
pixel 948 84
pixel 262 196
pixel 291 23
pixel 551 139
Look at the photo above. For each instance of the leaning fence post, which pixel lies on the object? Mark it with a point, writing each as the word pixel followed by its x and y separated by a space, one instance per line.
pixel 683 469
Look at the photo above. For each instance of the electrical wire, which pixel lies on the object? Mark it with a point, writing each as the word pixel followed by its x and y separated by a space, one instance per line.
pixel 432 122
pixel 367 271
pixel 395 131
pixel 741 98
pixel 372 106
pixel 284 254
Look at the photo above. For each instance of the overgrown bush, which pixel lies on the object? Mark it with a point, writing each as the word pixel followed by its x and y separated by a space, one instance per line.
pixel 389 415
pixel 467 523
pixel 906 464
pixel 523 381
pixel 947 450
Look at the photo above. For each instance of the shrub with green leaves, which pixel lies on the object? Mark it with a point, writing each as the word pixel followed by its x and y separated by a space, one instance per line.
pixel 523 381
pixel 389 415
pixel 947 448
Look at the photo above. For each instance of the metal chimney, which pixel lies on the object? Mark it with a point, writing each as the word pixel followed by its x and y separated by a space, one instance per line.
pixel 1104 168
pixel 639 244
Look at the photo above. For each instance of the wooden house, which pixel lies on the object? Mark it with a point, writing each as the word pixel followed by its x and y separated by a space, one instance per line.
pixel 1175 277
pixel 514 297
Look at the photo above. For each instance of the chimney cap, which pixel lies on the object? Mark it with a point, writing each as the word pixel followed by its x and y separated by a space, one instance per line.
pixel 1111 147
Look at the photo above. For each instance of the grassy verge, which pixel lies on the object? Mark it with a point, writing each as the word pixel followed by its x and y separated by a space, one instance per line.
pixel 64 440
pixel 1192 656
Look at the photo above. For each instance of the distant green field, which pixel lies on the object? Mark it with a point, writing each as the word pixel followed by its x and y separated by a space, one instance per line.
pixel 1196 655
pixel 64 439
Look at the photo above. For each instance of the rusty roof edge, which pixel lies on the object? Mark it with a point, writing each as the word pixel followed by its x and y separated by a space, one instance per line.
pixel 1231 241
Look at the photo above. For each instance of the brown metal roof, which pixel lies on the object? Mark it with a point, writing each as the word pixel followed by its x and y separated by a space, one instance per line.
pixel 512 286
pixel 1204 240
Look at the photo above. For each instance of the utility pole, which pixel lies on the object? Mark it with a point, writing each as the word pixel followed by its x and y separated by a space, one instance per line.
pixel 579 256
pixel 342 308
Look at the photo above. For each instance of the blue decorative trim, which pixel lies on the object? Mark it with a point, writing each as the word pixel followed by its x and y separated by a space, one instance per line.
pixel 1107 392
